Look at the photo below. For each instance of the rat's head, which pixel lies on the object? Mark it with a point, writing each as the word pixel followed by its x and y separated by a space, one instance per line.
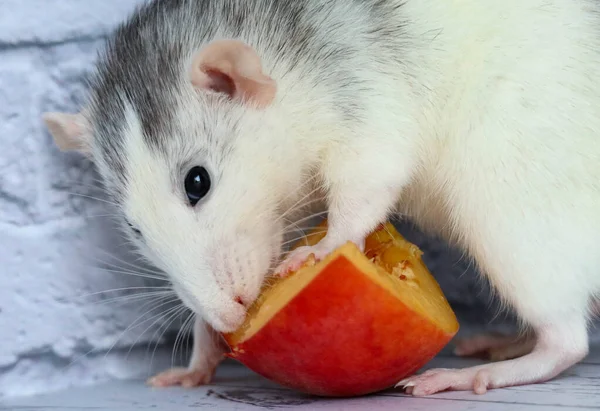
pixel 187 148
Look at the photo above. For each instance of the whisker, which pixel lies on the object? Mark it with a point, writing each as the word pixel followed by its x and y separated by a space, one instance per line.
pixel 152 277
pixel 134 297
pixel 190 331
pixel 129 263
pixel 156 319
pixel 99 183
pixel 122 270
pixel 84 355
pixel 94 198
pixel 107 265
pixel 102 216
pixel 304 205
pixel 89 188
pixel 297 228
pixel 179 338
pixel 306 182
pixel 114 290
pixel 293 207
pixel 311 216
pixel 387 230
pixel 169 321
pixel 303 237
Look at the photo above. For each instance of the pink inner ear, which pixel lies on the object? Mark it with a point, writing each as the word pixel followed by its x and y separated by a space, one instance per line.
pixel 220 82
pixel 233 68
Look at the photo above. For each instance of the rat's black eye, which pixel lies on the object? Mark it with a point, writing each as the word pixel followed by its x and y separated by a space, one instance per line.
pixel 197 184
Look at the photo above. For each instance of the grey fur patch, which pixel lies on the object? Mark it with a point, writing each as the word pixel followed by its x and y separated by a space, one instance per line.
pixel 143 65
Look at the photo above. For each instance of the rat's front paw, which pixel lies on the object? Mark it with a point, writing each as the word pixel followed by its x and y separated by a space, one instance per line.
pixel 184 377
pixel 309 255
pixel 433 381
pixel 442 379
pixel 301 256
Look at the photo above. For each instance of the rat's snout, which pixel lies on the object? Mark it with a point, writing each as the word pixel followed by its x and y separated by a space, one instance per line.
pixel 223 313
pixel 222 282
pixel 228 317
pixel 240 266
pixel 219 273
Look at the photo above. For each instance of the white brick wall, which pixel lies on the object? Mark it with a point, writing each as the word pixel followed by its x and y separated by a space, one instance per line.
pixel 50 240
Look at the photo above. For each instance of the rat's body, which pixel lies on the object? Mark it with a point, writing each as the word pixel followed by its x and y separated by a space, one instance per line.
pixel 480 118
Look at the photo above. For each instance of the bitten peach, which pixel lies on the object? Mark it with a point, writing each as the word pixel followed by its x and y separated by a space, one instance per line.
pixel 352 324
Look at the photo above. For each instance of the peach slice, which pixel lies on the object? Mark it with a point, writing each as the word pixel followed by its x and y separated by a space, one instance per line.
pixel 352 324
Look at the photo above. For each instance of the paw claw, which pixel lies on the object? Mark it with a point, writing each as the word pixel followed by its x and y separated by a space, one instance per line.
pixel 401 383
pixel 404 383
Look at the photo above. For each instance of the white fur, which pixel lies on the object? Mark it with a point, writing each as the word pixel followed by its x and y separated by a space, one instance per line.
pixel 504 160
pixel 510 169
pixel 488 134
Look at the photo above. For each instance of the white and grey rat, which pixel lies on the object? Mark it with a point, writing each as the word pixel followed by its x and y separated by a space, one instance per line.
pixel 478 119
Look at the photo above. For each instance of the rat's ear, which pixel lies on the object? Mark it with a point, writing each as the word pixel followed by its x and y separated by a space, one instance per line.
pixel 233 68
pixel 70 131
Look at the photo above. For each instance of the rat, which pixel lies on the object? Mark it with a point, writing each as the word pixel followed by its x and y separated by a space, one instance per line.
pixel 213 122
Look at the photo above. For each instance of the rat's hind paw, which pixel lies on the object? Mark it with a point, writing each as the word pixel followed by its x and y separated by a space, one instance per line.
pixel 495 347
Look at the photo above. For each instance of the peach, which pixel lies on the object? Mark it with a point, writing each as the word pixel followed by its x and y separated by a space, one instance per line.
pixel 352 324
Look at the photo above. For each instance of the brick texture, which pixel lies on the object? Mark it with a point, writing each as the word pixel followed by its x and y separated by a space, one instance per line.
pixel 54 238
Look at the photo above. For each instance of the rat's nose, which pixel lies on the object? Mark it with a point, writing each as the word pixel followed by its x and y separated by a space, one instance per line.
pixel 240 300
